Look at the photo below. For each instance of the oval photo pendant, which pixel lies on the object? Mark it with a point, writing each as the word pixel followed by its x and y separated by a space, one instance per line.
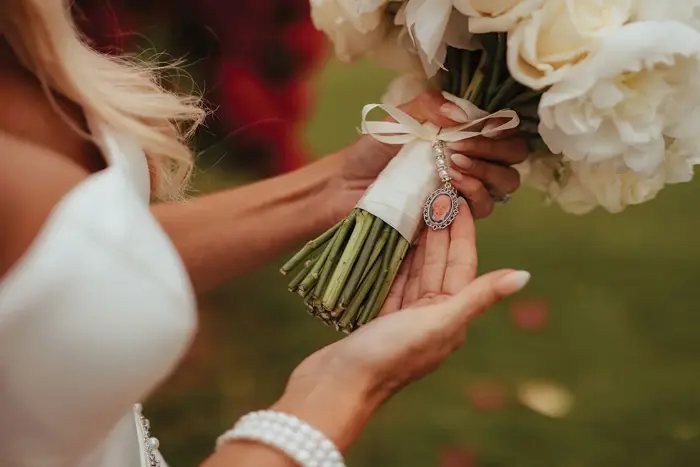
pixel 441 208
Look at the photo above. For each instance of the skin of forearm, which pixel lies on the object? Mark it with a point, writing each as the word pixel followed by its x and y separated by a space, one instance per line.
pixel 222 235
pixel 339 409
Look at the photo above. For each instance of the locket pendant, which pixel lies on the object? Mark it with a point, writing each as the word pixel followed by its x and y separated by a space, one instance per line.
pixel 442 206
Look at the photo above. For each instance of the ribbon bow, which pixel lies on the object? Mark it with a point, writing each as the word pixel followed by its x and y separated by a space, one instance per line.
pixel 407 129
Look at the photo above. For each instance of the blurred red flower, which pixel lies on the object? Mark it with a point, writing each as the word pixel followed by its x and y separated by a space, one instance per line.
pixel 457 456
pixel 530 314
pixel 256 57
pixel 487 395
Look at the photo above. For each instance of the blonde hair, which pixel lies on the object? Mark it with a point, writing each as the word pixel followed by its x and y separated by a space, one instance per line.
pixel 121 91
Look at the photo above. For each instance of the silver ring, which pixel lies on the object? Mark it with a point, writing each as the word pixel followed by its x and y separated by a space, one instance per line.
pixel 501 199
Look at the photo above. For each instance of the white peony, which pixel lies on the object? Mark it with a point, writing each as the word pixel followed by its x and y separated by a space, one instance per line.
pixel 355 27
pixel 549 174
pixel 580 187
pixel 611 186
pixel 495 15
pixel 543 47
pixel 615 187
pixel 681 157
pixel 405 88
pixel 685 11
pixel 620 103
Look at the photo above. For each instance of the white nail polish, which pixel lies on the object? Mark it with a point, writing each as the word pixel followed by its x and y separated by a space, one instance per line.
pixel 515 281
pixel 462 161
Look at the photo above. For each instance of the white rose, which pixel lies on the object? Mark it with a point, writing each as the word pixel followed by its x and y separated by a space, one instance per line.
pixel 354 27
pixel 622 101
pixel 544 46
pixel 495 15
pixel 405 88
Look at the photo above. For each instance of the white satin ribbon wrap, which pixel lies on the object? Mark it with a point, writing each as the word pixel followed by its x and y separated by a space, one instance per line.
pixel 398 193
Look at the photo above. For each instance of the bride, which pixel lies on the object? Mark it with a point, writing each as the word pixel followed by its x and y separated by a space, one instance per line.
pixel 97 293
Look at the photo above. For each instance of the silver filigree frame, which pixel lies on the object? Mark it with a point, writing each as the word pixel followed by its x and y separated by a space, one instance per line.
pixel 450 191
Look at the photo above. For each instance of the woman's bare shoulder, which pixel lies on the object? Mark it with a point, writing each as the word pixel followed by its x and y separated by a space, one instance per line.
pixel 32 180
pixel 52 122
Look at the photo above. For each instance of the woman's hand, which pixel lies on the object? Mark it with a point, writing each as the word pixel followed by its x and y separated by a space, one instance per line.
pixel 481 167
pixel 434 298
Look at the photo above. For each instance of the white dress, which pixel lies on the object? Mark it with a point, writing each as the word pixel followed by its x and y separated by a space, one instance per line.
pixel 94 315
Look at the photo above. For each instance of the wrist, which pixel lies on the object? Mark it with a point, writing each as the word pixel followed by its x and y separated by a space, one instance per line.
pixel 331 205
pixel 340 411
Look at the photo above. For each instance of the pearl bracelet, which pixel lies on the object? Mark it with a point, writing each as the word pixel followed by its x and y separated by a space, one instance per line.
pixel 304 444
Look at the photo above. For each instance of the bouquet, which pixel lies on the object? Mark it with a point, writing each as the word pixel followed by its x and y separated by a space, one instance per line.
pixel 607 92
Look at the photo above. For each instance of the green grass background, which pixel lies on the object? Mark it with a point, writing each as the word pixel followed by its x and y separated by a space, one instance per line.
pixel 622 336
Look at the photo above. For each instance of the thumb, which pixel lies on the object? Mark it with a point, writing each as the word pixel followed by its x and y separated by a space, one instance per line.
pixel 485 292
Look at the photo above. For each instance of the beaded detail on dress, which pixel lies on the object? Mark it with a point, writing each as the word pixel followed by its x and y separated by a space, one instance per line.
pixel 150 443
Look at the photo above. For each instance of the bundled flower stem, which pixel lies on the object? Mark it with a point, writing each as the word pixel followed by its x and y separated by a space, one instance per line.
pixel 346 273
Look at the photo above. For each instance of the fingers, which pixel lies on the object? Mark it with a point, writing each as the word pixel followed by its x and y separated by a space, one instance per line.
pixel 503 148
pixel 504 151
pixel 499 179
pixel 462 255
pixel 434 108
pixel 479 198
pixel 398 288
pixel 414 274
pixel 436 251
pixel 485 292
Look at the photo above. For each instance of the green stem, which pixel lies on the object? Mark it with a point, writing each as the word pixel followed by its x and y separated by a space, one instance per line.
pixel 525 98
pixel 378 247
pixel 466 72
pixel 529 127
pixel 310 280
pixel 362 261
pixel 396 260
pixel 331 261
pixel 294 283
pixel 476 85
pixel 309 248
pixel 348 318
pixel 310 305
pixel 455 70
pixel 383 273
pixel 496 69
pixel 350 253
pixel 504 91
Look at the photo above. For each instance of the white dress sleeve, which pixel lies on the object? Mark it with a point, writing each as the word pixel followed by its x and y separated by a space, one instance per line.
pixel 95 314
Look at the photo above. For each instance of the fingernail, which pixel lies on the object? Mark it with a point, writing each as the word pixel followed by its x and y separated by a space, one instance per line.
pixel 514 282
pixel 455 175
pixel 453 112
pixel 461 201
pixel 462 161
pixel 465 145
